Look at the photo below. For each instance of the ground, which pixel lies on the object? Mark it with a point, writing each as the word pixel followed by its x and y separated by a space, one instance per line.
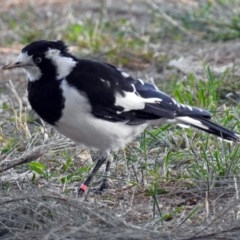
pixel 170 183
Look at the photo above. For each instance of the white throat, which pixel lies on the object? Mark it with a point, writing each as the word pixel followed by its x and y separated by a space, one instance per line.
pixel 33 73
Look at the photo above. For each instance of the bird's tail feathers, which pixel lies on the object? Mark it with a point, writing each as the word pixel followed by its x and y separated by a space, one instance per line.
pixel 208 126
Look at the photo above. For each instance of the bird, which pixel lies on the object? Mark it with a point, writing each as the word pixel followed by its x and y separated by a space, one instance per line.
pixel 98 105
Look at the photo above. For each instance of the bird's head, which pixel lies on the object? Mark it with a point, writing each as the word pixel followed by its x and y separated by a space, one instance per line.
pixel 49 59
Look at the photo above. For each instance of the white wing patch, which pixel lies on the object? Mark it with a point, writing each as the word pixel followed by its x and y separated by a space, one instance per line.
pixel 141 81
pixel 131 101
pixel 124 74
pixel 183 125
pixel 107 83
pixel 189 107
pixel 191 121
pixel 63 64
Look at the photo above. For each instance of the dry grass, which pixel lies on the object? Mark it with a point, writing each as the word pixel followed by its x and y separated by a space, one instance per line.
pixel 46 215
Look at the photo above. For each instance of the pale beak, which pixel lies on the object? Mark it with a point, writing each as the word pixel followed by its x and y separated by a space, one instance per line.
pixel 14 65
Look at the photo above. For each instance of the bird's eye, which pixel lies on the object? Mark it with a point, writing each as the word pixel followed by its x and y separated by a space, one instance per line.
pixel 38 60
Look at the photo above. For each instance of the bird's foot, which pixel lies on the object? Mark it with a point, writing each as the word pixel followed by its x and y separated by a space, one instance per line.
pixel 105 185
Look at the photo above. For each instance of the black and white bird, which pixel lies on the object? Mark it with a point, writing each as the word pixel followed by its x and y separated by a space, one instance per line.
pixel 98 105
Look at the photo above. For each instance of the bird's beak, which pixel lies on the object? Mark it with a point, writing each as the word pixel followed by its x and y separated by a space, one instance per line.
pixel 13 65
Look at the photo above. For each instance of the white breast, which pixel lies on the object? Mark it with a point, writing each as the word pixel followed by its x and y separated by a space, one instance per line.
pixel 81 126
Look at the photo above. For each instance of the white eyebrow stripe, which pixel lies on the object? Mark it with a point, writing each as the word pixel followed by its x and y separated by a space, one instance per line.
pixel 33 72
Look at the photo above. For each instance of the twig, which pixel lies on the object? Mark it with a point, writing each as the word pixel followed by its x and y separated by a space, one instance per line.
pixel 25 158
pixel 236 187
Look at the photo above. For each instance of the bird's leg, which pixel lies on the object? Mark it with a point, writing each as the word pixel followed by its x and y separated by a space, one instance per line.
pixel 105 180
pixel 84 186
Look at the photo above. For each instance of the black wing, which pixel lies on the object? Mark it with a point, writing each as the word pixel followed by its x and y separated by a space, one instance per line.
pixel 116 96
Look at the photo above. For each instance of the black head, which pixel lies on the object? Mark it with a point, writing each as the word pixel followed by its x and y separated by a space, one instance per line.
pixel 42 46
pixel 45 60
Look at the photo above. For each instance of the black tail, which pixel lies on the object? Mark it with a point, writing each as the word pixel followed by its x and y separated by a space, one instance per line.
pixel 207 125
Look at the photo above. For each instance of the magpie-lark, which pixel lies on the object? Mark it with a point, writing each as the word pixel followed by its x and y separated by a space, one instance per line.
pixel 98 105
